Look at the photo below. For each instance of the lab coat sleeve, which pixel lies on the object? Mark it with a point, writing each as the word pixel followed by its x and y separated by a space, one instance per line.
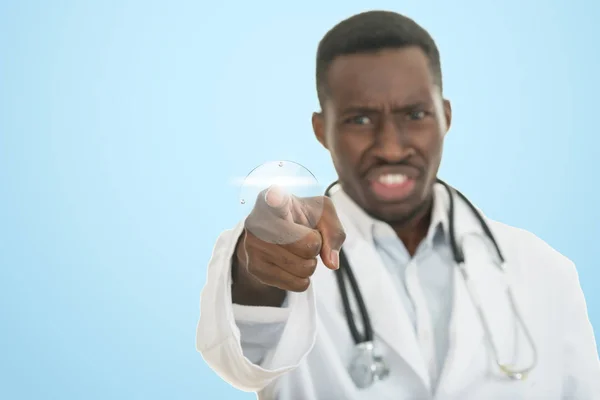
pixel 582 366
pixel 250 347
pixel 259 335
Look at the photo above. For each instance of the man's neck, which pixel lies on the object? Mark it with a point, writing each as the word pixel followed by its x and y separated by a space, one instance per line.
pixel 414 231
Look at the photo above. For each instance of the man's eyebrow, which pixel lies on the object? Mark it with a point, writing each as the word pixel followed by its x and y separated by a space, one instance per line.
pixel 360 110
pixel 396 108
pixel 412 106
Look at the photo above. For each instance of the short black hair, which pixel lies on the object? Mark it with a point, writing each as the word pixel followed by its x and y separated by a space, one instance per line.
pixel 371 31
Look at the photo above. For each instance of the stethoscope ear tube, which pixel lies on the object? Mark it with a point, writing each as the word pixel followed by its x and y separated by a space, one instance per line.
pixel 459 256
pixel 345 271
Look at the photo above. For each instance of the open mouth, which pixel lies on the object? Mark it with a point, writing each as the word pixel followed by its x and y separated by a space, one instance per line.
pixel 392 186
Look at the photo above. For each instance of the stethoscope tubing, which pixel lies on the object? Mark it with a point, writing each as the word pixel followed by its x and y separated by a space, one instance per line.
pixel 345 273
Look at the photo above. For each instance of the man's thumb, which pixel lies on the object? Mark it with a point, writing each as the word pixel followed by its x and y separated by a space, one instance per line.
pixel 332 245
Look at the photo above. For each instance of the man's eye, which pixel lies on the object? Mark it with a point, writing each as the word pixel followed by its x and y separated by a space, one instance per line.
pixel 417 115
pixel 359 120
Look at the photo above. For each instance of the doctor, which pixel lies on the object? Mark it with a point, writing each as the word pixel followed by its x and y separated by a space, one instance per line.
pixel 449 310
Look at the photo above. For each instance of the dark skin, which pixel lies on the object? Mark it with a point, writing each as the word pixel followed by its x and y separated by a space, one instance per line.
pixel 380 115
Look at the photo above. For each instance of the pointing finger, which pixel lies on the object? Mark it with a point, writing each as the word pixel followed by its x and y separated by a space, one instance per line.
pixel 278 202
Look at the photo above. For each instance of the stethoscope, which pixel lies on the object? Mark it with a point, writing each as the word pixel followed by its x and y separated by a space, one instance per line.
pixel 367 366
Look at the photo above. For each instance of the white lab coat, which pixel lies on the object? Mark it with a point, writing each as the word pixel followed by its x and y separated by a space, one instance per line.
pixel 309 362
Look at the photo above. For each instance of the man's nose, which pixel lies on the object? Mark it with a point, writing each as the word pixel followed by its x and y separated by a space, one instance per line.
pixel 391 143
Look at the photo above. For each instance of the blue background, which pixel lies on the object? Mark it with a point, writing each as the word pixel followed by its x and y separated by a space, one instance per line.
pixel 122 124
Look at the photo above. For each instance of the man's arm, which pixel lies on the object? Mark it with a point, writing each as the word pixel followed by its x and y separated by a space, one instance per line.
pixel 250 346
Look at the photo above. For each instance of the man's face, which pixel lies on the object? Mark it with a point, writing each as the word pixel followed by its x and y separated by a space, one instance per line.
pixel 384 122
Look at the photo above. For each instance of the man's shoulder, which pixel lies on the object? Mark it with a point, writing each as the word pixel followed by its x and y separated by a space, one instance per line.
pixel 530 251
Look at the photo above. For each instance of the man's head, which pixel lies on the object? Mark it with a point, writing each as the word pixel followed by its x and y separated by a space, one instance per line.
pixel 383 119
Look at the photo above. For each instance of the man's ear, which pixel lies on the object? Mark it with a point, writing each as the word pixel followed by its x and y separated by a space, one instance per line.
pixel 447 114
pixel 318 124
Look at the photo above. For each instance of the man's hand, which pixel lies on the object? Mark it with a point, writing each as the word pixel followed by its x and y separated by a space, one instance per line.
pixel 278 250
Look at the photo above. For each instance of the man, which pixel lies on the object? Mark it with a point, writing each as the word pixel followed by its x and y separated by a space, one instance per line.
pixel 272 319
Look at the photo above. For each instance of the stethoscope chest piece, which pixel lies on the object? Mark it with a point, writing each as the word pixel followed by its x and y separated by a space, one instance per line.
pixel 366 367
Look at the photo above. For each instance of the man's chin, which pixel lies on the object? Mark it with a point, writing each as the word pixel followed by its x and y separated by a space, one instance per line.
pixel 398 212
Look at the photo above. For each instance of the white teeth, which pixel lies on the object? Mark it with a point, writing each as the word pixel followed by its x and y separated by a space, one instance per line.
pixel 392 179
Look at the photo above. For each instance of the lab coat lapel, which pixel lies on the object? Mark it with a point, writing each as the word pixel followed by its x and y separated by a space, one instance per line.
pixel 389 319
pixel 467 334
